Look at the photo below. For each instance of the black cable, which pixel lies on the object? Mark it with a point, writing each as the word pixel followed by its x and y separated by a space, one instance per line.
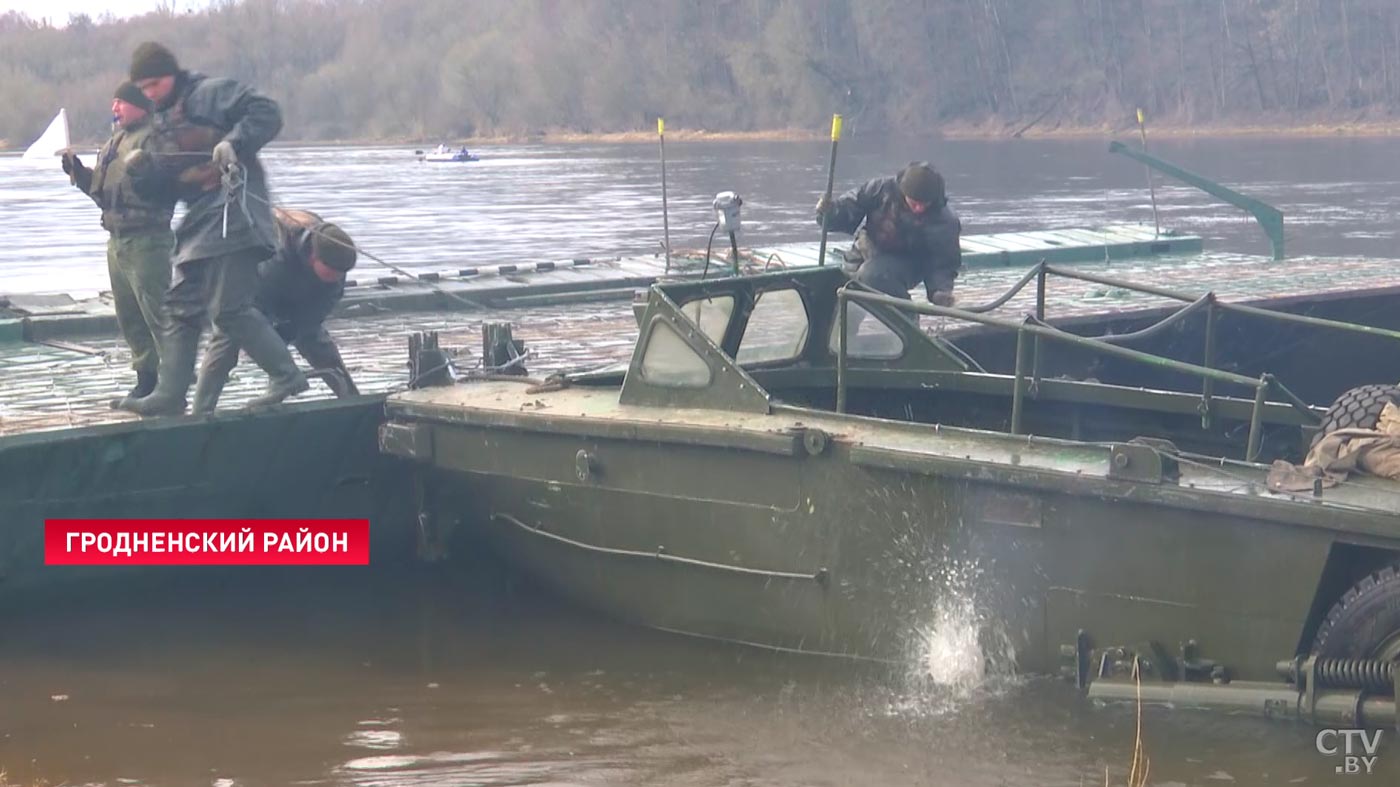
pixel 708 245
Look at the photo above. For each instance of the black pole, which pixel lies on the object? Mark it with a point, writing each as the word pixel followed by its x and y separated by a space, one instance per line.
pixel 830 180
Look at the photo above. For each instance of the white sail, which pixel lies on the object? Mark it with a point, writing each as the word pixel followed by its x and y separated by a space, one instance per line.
pixel 53 141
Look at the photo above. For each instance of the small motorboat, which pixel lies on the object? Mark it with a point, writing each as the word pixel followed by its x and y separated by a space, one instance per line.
pixel 444 153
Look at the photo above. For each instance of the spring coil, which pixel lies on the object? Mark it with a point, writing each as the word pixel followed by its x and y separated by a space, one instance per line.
pixel 1368 674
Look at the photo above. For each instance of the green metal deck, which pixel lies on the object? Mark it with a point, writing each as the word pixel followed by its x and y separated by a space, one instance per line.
pixel 1021 249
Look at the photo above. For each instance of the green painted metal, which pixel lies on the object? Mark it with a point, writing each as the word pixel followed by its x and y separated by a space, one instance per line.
pixel 729 386
pixel 1269 217
pixel 1108 549
pixel 317 459
pixel 1262 386
pixel 1023 249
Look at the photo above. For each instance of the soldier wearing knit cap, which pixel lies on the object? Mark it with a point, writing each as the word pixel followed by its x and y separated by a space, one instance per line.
pixel 217 126
pixel 905 233
pixel 129 93
pixel 138 225
pixel 297 290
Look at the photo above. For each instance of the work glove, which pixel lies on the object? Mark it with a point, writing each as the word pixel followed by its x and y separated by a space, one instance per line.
pixel 224 155
pixel 824 206
pixel 942 298
pixel 72 163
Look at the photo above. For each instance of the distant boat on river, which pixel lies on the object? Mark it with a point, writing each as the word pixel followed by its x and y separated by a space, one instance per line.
pixel 445 154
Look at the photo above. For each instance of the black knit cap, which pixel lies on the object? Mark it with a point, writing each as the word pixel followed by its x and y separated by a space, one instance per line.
pixel 921 182
pixel 132 95
pixel 333 247
pixel 151 60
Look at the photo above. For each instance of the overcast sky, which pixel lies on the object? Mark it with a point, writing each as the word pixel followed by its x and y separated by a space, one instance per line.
pixel 58 11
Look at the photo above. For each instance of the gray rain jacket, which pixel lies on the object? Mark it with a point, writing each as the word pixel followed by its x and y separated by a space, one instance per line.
pixel 200 112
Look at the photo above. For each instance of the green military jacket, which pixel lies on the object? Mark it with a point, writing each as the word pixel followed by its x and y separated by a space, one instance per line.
pixel 123 209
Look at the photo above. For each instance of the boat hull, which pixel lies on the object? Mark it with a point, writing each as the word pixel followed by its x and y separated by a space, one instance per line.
pixel 858 551
pixel 314 460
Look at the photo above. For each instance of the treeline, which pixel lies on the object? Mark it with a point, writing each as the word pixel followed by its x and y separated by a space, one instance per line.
pixel 425 69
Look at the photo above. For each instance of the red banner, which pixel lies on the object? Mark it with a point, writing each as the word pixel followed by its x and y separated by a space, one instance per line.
pixel 206 542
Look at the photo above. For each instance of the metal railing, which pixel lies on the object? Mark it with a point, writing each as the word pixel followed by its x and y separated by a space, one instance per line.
pixel 1033 329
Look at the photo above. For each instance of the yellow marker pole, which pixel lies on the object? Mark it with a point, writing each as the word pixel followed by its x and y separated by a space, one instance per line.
pixel 1151 187
pixel 830 180
pixel 665 210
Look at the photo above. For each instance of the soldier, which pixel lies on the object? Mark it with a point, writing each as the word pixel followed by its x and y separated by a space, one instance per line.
pixel 139 238
pixel 905 233
pixel 216 127
pixel 297 289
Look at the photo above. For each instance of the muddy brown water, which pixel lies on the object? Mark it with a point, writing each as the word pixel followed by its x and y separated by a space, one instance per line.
pixel 464 674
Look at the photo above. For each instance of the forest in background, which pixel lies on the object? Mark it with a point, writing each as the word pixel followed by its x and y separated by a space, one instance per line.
pixel 432 69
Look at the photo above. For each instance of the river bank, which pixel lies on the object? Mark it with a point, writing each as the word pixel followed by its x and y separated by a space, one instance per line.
pixel 1321 128
pixel 988 130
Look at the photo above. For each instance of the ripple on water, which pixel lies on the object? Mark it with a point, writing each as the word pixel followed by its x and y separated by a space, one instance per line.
pixel 438 768
pixel 375 739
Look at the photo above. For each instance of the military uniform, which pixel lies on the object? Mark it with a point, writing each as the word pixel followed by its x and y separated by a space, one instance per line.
pixel 895 248
pixel 297 302
pixel 138 246
pixel 224 234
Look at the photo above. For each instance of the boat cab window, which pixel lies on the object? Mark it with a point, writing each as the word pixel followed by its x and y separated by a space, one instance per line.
pixel 669 361
pixel 777 328
pixel 711 314
pixel 868 336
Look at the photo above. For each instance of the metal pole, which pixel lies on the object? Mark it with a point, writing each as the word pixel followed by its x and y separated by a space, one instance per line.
pixel 830 181
pixel 841 351
pixel 1151 187
pixel 1256 417
pixel 1040 317
pixel 1056 334
pixel 1208 361
pixel 1017 395
pixel 1293 399
pixel 665 209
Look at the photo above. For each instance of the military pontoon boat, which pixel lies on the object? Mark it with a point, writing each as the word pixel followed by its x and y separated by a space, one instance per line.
pixel 759 475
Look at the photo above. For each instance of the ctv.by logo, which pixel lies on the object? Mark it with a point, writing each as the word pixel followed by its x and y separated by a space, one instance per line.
pixel 1356 747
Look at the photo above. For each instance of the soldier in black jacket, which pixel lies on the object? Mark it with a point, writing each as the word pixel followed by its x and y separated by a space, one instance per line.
pixel 905 233
pixel 297 290
pixel 216 128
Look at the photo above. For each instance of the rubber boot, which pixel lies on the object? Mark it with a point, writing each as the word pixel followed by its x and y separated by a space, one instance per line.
pixel 269 351
pixel 177 356
pixel 336 379
pixel 278 391
pixel 207 390
pixel 145 384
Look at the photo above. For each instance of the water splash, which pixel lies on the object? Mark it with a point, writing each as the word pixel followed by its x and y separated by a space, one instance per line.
pixel 952 649
pixel 960 654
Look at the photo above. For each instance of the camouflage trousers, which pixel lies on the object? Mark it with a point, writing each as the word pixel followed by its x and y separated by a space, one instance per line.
pixel 138 264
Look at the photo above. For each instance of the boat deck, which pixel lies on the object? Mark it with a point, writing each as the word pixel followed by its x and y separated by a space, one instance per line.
pixel 595 412
pixel 43 386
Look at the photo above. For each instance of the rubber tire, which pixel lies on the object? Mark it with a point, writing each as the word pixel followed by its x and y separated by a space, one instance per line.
pixel 1366 615
pixel 1359 408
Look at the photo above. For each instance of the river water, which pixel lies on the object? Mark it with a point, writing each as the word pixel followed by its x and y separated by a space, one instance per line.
pixel 527 204
pixel 461 674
